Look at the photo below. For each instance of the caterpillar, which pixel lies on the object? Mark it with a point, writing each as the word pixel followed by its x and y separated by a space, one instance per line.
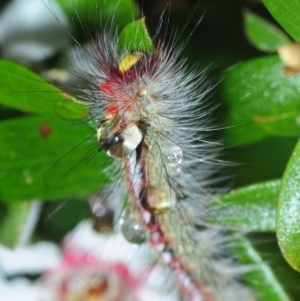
pixel 149 109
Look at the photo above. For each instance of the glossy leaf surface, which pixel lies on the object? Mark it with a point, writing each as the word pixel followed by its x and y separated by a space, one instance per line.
pixel 22 89
pixel 262 101
pixel 262 34
pixel 287 15
pixel 249 208
pixel 135 37
pixel 46 158
pixel 288 211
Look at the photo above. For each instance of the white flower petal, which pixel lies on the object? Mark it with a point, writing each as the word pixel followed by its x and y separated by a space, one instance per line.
pixel 31 259
pixel 32 30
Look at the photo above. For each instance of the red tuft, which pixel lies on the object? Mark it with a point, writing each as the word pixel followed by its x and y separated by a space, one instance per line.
pixel 112 109
pixel 106 87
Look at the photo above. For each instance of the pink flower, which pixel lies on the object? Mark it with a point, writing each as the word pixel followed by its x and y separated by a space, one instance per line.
pixel 82 275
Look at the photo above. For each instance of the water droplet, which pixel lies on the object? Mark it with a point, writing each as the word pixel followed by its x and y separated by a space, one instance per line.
pixel 132 230
pixel 175 154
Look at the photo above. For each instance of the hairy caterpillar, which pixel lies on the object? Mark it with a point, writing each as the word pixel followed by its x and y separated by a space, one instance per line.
pixel 150 116
pixel 166 161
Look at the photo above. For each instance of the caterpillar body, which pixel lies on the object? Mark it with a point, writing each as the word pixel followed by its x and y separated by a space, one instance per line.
pixel 152 118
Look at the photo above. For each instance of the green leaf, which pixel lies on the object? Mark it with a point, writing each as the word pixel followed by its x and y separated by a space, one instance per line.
pixel 286 14
pixel 262 101
pixel 45 158
pixel 288 211
pixel 135 37
pixel 260 277
pixel 22 89
pixel 262 34
pixel 100 11
pixel 12 220
pixel 251 208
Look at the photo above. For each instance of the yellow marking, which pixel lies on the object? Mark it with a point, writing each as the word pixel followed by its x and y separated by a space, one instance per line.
pixel 128 61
